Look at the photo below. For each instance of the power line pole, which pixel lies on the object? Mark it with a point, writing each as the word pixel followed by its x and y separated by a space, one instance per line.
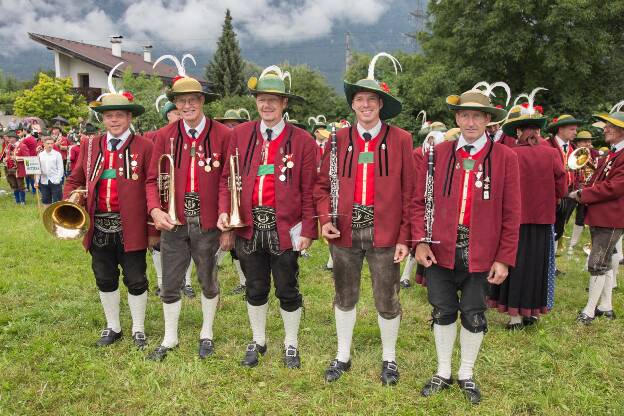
pixel 348 55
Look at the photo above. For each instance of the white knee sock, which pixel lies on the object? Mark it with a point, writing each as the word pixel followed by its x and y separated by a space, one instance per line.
pixel 618 248
pixel 389 329
pixel 172 315
pixel 615 268
pixel 606 295
pixel 158 266
pixel 444 336
pixel 137 305
pixel 209 309
pixel 257 321
pixel 330 262
pixel 241 276
pixel 556 246
pixel 470 345
pixel 577 230
pixel 345 321
pixel 220 256
pixel 189 271
pixel 110 303
pixel 596 284
pixel 515 319
pixel 291 327
pixel 409 267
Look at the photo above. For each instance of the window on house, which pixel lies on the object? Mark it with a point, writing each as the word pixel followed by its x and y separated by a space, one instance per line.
pixel 83 80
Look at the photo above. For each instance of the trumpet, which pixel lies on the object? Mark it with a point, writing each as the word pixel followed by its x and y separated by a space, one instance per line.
pixel 68 220
pixel 166 187
pixel 235 184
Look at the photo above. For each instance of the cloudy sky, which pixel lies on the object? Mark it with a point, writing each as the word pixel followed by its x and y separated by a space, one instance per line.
pixel 194 25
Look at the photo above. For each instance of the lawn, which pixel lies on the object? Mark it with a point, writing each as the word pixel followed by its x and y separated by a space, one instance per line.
pixel 50 317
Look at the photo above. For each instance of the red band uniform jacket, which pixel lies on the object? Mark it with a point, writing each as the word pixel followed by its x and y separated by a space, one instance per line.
pixel 494 214
pixel 393 164
pixel 210 161
pixel 133 158
pixel 604 196
pixel 293 196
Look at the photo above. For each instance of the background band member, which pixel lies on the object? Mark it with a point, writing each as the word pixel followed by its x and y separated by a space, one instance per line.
pixel 13 149
pixel 476 196
pixel 113 168
pixel 277 170
pixel 375 174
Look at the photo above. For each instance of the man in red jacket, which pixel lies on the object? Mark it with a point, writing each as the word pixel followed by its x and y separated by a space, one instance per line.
pixel 277 172
pixel 197 146
pixel 113 168
pixel 474 236
pixel 604 201
pixel 375 176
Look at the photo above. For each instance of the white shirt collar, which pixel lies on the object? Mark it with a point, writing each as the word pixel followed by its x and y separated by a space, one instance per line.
pixel 373 132
pixel 200 127
pixel 124 136
pixel 478 144
pixel 277 129
pixel 619 146
pixel 560 141
pixel 498 135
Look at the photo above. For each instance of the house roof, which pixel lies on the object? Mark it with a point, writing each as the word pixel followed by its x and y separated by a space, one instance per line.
pixel 102 57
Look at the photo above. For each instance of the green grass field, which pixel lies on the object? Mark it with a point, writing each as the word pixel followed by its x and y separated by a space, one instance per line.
pixel 50 317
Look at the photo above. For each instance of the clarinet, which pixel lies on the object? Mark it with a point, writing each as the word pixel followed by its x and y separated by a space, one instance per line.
pixel 334 184
pixel 429 205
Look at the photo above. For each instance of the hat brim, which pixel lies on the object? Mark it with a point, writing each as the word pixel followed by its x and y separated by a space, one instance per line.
pixel 210 96
pixel 552 128
pixel 226 119
pixel 509 128
pixel 391 108
pixel 608 119
pixel 278 93
pixel 498 114
pixel 135 109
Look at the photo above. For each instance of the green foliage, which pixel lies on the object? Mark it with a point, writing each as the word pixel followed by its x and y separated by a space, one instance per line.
pixel 145 88
pixel 51 97
pixel 219 107
pixel 226 71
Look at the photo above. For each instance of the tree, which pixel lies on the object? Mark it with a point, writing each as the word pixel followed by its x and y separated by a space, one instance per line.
pixel 219 107
pixel 146 89
pixel 226 69
pixel 51 97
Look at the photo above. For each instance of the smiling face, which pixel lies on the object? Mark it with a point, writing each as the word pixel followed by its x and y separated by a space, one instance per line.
pixel 613 134
pixel 117 121
pixel 190 107
pixel 271 108
pixel 367 106
pixel 472 123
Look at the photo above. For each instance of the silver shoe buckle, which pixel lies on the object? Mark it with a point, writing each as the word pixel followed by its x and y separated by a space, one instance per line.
pixel 291 352
pixel 392 367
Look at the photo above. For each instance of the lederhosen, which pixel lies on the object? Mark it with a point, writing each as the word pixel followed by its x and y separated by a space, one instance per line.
pixel 348 261
pixel 260 257
pixel 444 284
pixel 107 244
pixel 188 240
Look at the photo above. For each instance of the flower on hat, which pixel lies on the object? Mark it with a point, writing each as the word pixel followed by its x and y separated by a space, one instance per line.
pixel 556 119
pixel 385 87
pixel 176 78
pixel 539 109
pixel 128 95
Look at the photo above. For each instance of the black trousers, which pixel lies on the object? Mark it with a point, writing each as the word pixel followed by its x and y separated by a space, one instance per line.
pixel 443 286
pixel 107 255
pixel 579 218
pixel 603 246
pixel 563 214
pixel 260 263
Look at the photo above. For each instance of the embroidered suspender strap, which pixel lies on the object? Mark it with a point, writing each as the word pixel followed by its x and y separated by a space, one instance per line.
pixel 383 147
pixel 207 144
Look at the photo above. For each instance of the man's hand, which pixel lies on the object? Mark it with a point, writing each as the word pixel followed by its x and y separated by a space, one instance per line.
pixel 223 222
pixel 304 243
pixel 576 195
pixel 162 220
pixel 153 240
pixel 329 231
pixel 498 273
pixel 226 241
pixel 400 252
pixel 424 255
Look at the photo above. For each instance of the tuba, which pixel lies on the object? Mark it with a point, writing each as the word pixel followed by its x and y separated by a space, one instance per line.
pixel 166 185
pixel 235 185
pixel 68 220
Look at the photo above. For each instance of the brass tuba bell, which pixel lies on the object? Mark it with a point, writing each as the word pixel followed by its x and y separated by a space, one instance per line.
pixel 68 220
pixel 235 184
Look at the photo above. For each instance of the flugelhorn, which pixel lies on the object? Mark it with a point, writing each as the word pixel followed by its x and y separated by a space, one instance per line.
pixel 581 159
pixel 166 185
pixel 235 184
pixel 68 220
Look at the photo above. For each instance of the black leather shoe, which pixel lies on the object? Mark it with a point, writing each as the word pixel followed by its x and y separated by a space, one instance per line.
pixel 435 385
pixel 607 314
pixel 159 353
pixel 188 291
pixel 140 340
pixel 471 390
pixel 157 292
pixel 530 320
pixel 251 355
pixel 584 319
pixel 108 337
pixel 291 357
pixel 336 369
pixel 389 373
pixel 206 348
pixel 405 284
pixel 514 327
pixel 239 289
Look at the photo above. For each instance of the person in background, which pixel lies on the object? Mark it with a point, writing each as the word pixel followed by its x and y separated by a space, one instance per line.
pixel 49 182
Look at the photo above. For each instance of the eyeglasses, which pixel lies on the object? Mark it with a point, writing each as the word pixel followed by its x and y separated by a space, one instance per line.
pixel 192 101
